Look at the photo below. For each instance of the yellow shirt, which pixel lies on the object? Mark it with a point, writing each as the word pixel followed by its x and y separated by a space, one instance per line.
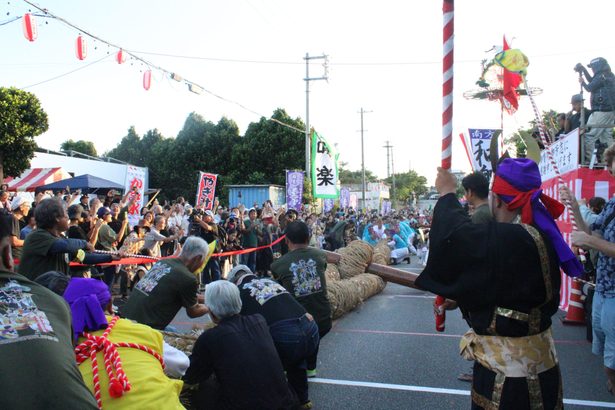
pixel 150 387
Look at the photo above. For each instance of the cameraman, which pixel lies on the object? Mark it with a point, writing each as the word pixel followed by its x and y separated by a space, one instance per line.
pixel 208 231
pixel 602 88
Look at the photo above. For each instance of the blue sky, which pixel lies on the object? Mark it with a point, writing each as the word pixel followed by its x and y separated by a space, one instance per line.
pixel 384 56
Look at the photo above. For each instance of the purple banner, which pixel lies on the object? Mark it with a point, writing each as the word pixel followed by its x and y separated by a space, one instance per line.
pixel 344 198
pixel 294 190
pixel 328 205
pixel 385 207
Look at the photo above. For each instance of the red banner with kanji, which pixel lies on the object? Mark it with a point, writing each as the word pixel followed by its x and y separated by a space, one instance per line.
pixel 135 187
pixel 206 190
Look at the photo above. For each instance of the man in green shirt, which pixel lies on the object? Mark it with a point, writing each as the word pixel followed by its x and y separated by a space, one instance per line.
pixel 302 272
pixel 46 249
pixel 38 368
pixel 249 240
pixel 168 286
pixel 476 186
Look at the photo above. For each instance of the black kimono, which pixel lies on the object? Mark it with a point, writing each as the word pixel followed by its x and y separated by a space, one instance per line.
pixel 506 279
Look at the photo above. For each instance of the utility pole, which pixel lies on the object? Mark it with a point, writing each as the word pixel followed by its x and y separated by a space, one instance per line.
pixel 393 172
pixel 307 80
pixel 388 146
pixel 363 158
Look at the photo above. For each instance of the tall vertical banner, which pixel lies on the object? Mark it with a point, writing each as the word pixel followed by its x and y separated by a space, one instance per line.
pixel 135 185
pixel 480 142
pixel 324 168
pixel 328 204
pixel 294 190
pixel 354 200
pixel 206 190
pixel 344 198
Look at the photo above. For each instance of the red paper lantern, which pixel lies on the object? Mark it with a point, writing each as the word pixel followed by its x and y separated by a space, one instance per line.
pixel 147 79
pixel 120 57
pixel 29 27
pixel 82 49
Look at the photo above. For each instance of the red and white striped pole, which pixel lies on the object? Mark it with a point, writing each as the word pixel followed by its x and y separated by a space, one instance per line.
pixel 448 38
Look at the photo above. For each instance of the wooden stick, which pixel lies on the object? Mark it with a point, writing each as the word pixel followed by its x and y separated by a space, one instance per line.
pixel 390 274
pixel 152 199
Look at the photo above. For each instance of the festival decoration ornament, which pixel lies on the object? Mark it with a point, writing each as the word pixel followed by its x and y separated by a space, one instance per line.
pixel 147 79
pixel 120 57
pixel 512 60
pixel 29 27
pixel 81 48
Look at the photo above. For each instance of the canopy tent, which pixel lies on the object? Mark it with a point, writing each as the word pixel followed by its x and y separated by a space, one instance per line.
pixel 33 178
pixel 86 183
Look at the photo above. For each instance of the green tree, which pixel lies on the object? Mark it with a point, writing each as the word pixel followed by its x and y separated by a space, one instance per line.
pixel 407 184
pixel 129 149
pixel 82 146
pixel 515 141
pixel 21 119
pixel 270 148
pixel 348 177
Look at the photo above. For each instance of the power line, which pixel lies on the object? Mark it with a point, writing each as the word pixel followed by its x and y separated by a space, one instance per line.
pixel 65 74
pixel 193 86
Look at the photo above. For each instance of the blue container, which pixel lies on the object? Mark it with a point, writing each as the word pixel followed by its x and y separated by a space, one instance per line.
pixel 251 195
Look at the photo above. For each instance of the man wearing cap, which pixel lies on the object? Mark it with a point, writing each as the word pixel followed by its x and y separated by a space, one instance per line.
pixel 249 240
pixel 601 121
pixel 573 121
pixel 505 276
pixel 209 232
pixel 108 239
pixel 20 208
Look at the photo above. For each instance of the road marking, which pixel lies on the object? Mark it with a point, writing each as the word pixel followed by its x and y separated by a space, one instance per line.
pixel 394 332
pixel 439 390
pixel 408 296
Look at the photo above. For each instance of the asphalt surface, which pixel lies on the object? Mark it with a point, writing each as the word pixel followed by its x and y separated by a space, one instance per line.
pixel 386 354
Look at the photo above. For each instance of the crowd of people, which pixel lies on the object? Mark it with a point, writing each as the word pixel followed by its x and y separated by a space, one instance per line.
pixel 273 299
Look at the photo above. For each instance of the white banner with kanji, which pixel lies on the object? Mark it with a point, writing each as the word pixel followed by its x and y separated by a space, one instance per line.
pixel 324 169
pixel 565 152
pixel 480 143
pixel 135 185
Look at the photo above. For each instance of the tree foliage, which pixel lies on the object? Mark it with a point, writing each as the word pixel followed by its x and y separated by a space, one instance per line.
pixel 515 141
pixel 348 177
pixel 82 146
pixel 407 184
pixel 21 119
pixel 261 156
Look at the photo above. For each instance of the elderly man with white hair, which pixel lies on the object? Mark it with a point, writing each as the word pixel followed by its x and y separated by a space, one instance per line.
pixel 240 353
pixel 168 286
pixel 294 331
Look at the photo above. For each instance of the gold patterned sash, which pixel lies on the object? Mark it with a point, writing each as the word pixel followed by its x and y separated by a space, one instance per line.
pixel 525 356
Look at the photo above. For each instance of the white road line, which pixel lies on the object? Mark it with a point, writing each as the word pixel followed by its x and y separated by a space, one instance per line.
pixel 439 390
pixel 408 296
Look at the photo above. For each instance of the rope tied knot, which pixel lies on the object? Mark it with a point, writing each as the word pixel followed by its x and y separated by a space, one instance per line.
pixel 118 381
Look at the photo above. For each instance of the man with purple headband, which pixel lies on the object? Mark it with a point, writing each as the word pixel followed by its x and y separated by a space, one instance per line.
pixel 505 276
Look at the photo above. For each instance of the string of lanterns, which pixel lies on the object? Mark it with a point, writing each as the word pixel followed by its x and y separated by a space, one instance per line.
pixel 30 32
pixel 122 55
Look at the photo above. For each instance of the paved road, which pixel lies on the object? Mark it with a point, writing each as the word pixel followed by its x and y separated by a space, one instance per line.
pixel 387 355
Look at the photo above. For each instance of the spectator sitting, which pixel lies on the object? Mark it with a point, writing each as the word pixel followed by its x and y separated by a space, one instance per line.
pixel 168 286
pixel 38 369
pixel 90 304
pixel 294 332
pixel 30 225
pixel 237 347
pixel 46 249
